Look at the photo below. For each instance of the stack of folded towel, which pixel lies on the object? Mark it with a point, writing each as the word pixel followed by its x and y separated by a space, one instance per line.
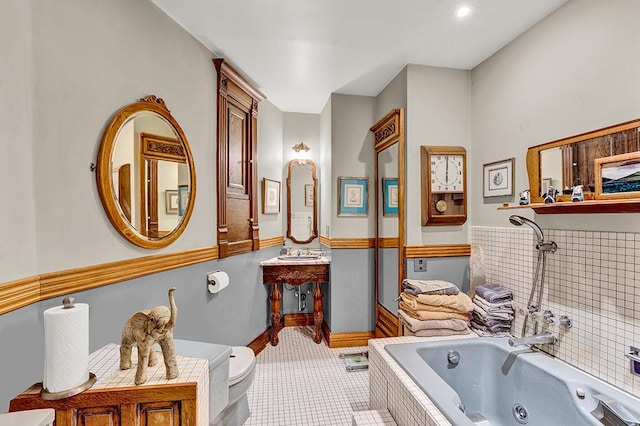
pixel 492 309
pixel 434 308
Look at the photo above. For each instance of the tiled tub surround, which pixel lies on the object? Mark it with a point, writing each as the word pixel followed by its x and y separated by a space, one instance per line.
pixel 392 389
pixel 594 278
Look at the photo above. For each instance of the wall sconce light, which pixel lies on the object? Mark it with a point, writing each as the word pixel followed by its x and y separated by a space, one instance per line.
pixel 300 147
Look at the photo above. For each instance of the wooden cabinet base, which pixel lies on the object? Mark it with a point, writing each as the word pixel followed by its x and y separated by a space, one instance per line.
pixel 156 405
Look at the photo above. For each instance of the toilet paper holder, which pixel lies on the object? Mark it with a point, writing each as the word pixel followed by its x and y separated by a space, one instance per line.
pixel 217 281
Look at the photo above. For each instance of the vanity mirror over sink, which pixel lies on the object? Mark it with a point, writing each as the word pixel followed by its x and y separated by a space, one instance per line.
pixel 302 202
pixel 145 174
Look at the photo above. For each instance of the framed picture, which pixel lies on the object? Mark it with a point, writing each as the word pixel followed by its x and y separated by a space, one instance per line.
pixel 353 196
pixel 498 178
pixel 270 196
pixel 617 176
pixel 171 201
pixel 183 199
pixel 390 196
pixel 308 195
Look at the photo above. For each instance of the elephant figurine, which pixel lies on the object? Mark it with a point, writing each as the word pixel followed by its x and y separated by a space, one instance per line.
pixel 145 328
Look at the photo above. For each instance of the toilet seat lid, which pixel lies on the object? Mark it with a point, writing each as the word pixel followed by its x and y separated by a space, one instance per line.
pixel 242 360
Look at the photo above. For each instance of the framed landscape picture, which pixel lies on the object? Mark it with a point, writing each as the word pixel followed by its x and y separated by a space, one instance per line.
pixel 617 176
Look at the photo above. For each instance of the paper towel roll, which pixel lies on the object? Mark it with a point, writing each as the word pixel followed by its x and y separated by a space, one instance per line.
pixel 216 281
pixel 66 346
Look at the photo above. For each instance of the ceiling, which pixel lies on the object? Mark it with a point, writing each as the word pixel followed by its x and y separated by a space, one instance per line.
pixel 298 52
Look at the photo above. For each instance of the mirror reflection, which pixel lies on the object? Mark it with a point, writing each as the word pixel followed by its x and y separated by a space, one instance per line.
pixel 569 162
pixel 302 209
pixel 145 174
pixel 388 228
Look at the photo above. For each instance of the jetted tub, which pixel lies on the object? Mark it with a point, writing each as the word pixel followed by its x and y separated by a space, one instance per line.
pixel 495 384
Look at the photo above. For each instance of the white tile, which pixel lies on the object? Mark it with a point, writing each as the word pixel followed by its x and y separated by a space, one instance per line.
pixel 300 382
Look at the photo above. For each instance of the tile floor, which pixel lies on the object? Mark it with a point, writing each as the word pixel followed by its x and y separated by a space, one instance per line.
pixel 300 383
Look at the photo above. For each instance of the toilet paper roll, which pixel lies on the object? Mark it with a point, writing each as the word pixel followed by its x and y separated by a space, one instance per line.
pixel 216 281
pixel 66 345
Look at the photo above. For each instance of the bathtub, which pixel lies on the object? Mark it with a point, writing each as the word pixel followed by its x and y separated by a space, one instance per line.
pixel 496 384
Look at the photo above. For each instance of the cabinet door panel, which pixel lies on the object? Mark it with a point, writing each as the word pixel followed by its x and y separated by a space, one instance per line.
pixel 165 413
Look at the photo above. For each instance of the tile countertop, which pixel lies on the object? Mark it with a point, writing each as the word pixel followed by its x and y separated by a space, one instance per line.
pixel 105 364
pixel 275 261
pixel 383 358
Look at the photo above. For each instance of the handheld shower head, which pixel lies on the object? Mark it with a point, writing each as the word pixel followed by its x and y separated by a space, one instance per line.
pixel 519 221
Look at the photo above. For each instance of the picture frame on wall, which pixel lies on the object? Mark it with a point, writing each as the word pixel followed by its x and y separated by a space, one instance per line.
pixel 617 176
pixel 353 196
pixel 308 195
pixel 183 199
pixel 497 178
pixel 171 201
pixel 390 196
pixel 270 196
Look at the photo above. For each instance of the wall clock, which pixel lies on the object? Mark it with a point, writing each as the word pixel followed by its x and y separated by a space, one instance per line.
pixel 444 185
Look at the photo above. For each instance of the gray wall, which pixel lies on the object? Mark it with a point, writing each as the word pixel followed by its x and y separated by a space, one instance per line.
pixel 350 295
pixel 234 316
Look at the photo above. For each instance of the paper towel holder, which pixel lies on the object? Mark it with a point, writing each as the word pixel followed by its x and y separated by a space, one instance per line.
pixel 51 396
pixel 68 303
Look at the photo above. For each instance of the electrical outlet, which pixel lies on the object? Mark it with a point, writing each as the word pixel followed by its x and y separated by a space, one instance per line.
pixel 420 264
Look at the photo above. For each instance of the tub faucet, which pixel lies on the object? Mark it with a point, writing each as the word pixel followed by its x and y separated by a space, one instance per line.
pixel 536 339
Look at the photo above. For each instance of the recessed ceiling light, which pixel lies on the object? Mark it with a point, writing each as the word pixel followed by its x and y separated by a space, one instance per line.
pixel 463 11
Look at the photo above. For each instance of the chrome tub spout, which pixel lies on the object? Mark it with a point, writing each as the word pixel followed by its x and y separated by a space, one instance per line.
pixel 536 339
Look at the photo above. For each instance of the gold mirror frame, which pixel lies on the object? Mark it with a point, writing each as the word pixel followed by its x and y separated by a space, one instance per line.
pixel 104 179
pixel 533 153
pixel 314 229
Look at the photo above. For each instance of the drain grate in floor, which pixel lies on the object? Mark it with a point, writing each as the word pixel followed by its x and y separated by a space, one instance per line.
pixel 355 361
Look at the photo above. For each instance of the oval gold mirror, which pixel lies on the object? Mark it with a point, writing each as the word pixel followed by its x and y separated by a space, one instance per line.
pixel 145 173
pixel 302 201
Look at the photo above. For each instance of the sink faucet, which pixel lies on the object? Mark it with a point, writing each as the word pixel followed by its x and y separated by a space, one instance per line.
pixel 536 339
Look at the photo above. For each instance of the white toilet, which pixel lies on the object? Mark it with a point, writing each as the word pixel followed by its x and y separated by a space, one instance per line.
pixel 231 373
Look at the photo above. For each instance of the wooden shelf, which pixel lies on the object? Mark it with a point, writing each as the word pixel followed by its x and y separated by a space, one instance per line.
pixel 628 205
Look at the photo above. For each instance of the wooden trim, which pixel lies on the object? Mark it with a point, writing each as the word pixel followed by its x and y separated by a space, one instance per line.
pixel 345 340
pixel 19 293
pixel 389 242
pixel 388 324
pixel 352 243
pixel 325 241
pixel 23 292
pixel 258 344
pixel 271 242
pixel 445 250
pixel 298 320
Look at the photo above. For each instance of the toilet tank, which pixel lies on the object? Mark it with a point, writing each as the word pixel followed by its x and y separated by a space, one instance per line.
pixel 218 357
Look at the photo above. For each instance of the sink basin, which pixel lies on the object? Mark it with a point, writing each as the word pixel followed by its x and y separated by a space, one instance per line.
pixel 299 257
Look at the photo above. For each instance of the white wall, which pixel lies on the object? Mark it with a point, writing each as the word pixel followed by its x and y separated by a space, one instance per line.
pixel 575 71
pixel 17 218
pixel 394 95
pixel 300 127
pixel 351 156
pixel 325 168
pixel 438 113
pixel 90 59
pixel 270 164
